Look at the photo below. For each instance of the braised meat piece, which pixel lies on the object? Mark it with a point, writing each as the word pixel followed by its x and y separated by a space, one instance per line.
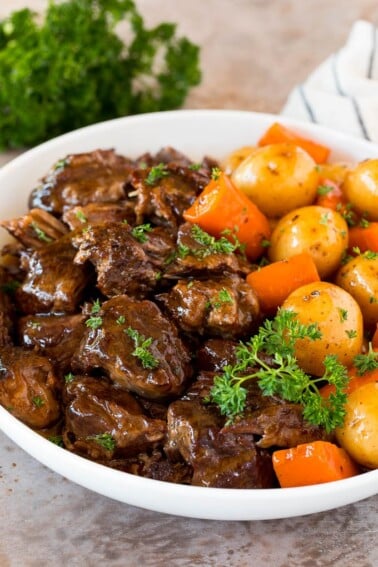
pixel 215 354
pixel 219 457
pixel 28 387
pixel 163 192
pixel 279 425
pixel 98 213
pixel 227 307
pixel 7 311
pixel 126 261
pixel 193 258
pixel 79 179
pixel 137 347
pixel 35 229
pixel 53 282
pixel 55 336
pixel 102 421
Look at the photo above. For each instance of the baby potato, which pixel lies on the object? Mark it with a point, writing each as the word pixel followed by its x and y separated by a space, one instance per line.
pixel 359 277
pixel 318 230
pixel 233 160
pixel 338 318
pixel 361 188
pixel 278 178
pixel 359 434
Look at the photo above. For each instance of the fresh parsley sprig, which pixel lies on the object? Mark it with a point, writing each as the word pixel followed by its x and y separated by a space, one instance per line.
pixel 156 173
pixel 366 362
pixel 282 376
pixel 139 232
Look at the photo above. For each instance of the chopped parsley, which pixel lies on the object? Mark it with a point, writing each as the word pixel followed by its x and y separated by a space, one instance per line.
pixel 324 189
pixel 351 333
pixel 222 298
pixel 343 314
pixel 121 320
pixel 38 401
pixel 105 440
pixel 81 216
pixel 215 173
pixel 195 166
pixel 156 173
pixel 69 378
pixel 142 348
pixel 41 235
pixel 139 232
pixel 57 440
pixel 365 362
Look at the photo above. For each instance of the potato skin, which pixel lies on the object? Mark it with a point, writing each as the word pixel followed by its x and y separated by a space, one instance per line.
pixel 318 230
pixel 336 313
pixel 235 158
pixel 278 178
pixel 359 434
pixel 361 188
pixel 335 172
pixel 359 277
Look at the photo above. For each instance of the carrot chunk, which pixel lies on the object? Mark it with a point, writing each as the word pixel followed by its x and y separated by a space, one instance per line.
pixel 277 134
pixel 274 283
pixel 312 463
pixel 364 238
pixel 222 209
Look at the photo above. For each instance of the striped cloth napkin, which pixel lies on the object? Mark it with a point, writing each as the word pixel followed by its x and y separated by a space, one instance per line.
pixel 342 93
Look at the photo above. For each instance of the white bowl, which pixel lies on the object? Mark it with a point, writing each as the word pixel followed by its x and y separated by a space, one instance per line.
pixel 196 133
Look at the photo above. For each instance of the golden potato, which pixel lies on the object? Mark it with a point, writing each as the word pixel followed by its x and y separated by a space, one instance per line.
pixel 359 434
pixel 359 277
pixel 317 230
pixel 278 178
pixel 361 188
pixel 233 160
pixel 339 320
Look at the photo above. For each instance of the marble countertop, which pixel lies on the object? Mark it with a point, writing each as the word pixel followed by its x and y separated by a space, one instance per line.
pixel 253 53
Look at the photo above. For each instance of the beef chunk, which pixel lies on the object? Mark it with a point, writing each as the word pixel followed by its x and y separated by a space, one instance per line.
pixel 125 325
pixel 56 336
pixel 99 213
pixel 164 200
pixel 35 229
pixel 104 422
pixel 7 314
pixel 79 179
pixel 215 354
pixel 279 425
pixel 226 307
pixel 28 387
pixel 219 457
pixel 53 282
pixel 195 259
pixel 124 263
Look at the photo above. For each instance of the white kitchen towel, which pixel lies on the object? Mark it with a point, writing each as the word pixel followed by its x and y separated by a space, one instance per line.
pixel 342 93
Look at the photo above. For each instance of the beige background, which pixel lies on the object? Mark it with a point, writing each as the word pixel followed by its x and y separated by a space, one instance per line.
pixel 253 53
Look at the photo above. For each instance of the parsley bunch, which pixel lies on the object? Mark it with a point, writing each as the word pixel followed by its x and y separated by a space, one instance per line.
pixel 283 377
pixel 73 69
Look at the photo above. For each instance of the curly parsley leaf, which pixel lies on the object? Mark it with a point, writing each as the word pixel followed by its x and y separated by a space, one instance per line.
pixel 142 348
pixel 70 68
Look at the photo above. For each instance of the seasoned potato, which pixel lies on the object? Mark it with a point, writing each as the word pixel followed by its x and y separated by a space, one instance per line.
pixel 233 160
pixel 360 278
pixel 339 320
pixel 278 178
pixel 359 434
pixel 361 188
pixel 317 230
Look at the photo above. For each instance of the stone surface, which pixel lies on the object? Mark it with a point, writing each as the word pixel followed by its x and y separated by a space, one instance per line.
pixel 253 53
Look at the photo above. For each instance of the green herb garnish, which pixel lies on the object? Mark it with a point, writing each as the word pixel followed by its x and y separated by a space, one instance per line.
pixel 105 440
pixel 324 189
pixel 81 216
pixel 142 348
pixel 69 378
pixel 38 401
pixel 41 235
pixel 211 244
pixel 57 440
pixel 121 320
pixel 365 362
pixel 284 377
pixel 222 298
pixel 70 68
pixel 156 173
pixel 139 232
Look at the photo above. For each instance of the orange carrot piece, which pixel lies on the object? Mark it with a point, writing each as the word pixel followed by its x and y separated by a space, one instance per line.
pixel 312 463
pixel 333 199
pixel 273 283
pixel 277 134
pixel 355 382
pixel 364 238
pixel 222 207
